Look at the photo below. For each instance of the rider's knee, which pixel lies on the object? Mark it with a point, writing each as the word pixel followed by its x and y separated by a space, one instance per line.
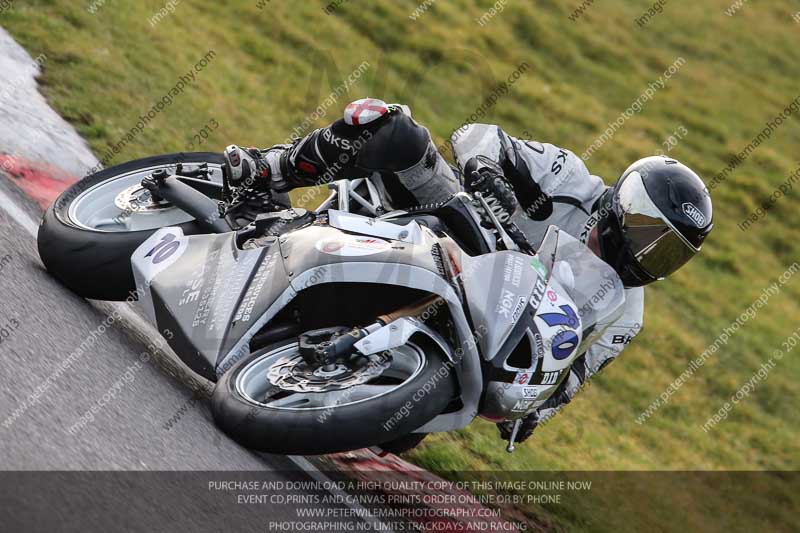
pixel 395 143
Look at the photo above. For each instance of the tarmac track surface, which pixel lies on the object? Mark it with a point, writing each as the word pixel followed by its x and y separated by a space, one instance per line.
pixel 98 431
pixel 41 323
pixel 107 407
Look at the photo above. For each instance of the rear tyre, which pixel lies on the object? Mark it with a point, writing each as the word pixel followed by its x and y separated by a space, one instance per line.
pixel 95 262
pixel 319 423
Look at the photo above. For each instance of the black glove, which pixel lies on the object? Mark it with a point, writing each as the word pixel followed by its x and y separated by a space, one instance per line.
pixel 483 175
pixel 529 423
pixel 245 167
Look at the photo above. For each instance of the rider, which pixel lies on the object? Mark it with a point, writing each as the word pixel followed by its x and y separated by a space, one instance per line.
pixel 646 226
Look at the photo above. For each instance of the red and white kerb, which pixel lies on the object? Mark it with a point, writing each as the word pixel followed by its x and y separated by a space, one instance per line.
pixel 364 111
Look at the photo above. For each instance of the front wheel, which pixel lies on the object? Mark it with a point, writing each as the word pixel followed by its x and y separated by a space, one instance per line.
pixel 273 402
pixel 88 235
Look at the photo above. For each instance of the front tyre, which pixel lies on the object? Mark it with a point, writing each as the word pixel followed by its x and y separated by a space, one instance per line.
pixel 334 413
pixel 403 444
pixel 88 235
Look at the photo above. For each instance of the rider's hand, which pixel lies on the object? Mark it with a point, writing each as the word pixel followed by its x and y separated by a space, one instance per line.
pixel 486 177
pixel 245 167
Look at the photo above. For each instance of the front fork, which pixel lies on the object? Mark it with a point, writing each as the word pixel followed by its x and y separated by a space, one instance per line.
pixel 324 347
pixel 192 201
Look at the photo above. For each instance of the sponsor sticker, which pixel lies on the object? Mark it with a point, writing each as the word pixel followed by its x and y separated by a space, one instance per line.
pixel 521 406
pixel 549 378
pixel 537 339
pixel 530 393
pixel 522 378
pixel 352 245
pixel 539 267
pixel 518 309
pixel 505 304
pixel 551 295
pixel 538 293
pixel 512 272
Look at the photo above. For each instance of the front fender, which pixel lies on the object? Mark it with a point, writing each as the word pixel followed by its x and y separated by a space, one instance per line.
pixel 466 355
pixel 399 332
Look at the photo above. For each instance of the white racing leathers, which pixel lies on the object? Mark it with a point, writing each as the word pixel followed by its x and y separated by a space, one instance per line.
pixel 553 187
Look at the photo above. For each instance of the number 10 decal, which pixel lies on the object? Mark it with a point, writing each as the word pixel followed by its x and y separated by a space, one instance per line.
pixel 565 341
pixel 164 249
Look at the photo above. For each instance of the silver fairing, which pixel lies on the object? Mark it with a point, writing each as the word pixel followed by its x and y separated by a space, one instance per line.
pixel 209 298
pixel 574 297
pixel 204 293
pixel 499 288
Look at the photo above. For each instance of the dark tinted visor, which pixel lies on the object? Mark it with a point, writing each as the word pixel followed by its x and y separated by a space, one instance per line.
pixel 657 246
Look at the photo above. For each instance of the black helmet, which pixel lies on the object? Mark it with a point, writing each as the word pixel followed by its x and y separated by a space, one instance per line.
pixel 653 220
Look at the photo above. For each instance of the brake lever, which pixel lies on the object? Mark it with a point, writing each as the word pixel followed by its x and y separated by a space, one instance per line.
pixel 508 242
pixel 201 172
pixel 226 188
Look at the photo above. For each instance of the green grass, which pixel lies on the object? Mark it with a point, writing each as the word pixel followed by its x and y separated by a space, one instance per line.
pixel 274 66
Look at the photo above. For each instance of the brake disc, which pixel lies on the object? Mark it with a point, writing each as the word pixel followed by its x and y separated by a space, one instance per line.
pixel 137 199
pixel 294 374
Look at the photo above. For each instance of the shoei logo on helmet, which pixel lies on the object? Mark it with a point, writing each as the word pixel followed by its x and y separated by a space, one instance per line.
pixel 695 214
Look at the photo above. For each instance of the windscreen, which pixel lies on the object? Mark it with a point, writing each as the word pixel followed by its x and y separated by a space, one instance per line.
pixel 593 285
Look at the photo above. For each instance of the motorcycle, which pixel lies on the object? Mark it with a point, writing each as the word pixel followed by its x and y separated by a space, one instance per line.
pixel 345 327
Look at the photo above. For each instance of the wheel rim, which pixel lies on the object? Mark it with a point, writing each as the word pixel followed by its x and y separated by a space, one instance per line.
pixel 253 384
pixel 122 204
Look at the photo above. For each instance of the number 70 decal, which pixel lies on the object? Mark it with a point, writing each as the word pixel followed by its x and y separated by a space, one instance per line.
pixel 566 341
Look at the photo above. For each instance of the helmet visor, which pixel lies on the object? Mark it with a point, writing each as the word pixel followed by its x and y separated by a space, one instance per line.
pixel 655 243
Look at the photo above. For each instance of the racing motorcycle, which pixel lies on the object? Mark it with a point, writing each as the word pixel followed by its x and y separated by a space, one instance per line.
pixel 345 327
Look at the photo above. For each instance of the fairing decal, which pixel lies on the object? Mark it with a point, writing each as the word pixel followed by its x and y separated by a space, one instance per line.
pixel 500 287
pixel 210 295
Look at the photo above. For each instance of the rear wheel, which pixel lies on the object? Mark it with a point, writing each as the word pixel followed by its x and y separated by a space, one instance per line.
pixel 88 235
pixel 271 401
